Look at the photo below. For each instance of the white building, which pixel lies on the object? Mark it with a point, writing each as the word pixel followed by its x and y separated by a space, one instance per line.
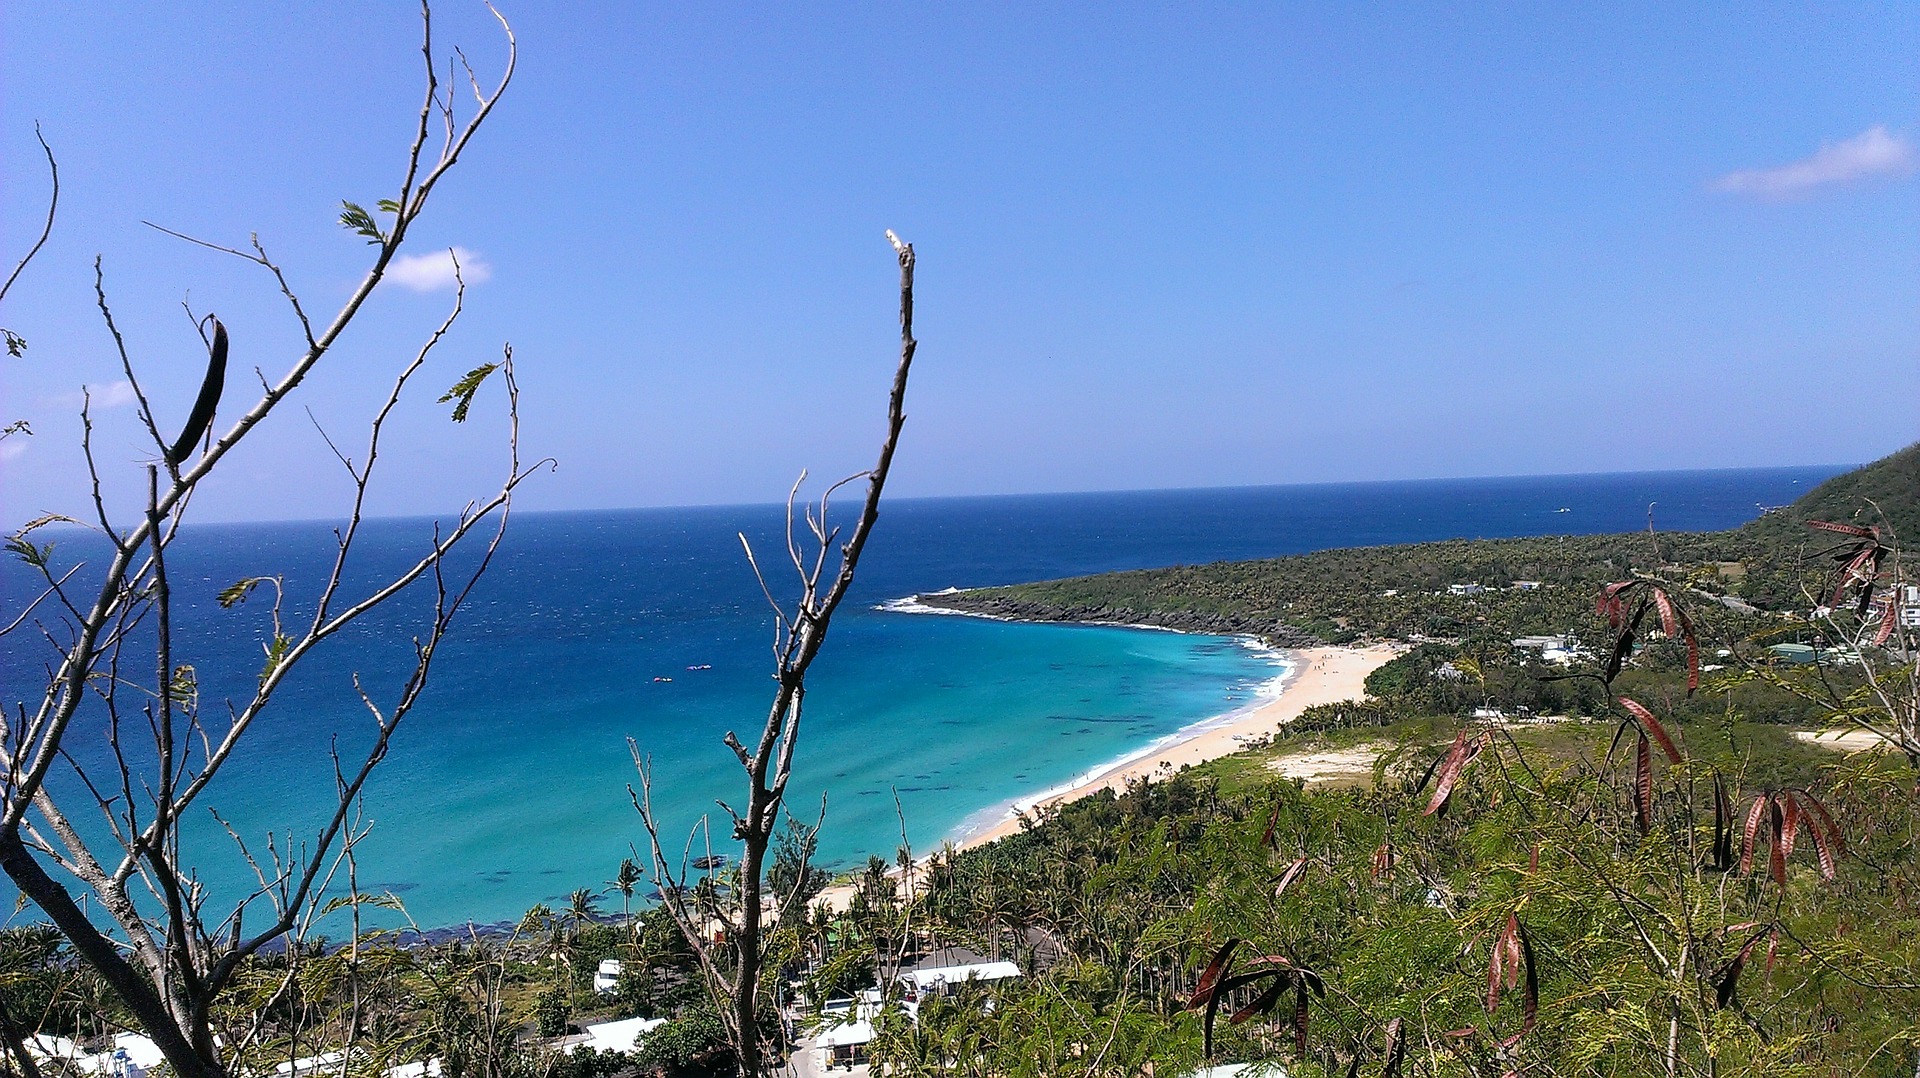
pixel 47 1048
pixel 132 1055
pixel 607 977
pixel 845 1041
pixel 621 1036
pixel 1554 649
pixel 324 1063
pixel 936 980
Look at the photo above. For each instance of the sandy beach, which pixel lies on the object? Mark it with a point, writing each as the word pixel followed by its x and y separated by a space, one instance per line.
pixel 1847 741
pixel 1323 675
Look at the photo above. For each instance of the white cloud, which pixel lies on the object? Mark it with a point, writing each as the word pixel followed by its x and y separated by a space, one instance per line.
pixel 13 449
pixel 1873 152
pixel 434 272
pixel 112 395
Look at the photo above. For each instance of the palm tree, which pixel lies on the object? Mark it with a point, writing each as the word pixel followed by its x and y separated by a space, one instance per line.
pixel 623 882
pixel 579 911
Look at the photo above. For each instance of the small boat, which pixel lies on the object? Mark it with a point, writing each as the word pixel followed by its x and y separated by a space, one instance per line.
pixel 1563 509
pixel 701 666
pixel 660 679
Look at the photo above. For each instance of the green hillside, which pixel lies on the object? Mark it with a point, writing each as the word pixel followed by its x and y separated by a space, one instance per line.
pixel 1336 596
pixel 1885 493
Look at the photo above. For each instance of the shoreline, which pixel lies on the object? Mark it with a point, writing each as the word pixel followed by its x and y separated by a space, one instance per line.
pixel 1319 675
pixel 1290 663
pixel 1325 674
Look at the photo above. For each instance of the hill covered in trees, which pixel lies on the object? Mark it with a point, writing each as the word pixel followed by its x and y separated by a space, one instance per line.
pixel 1462 588
pixel 1886 492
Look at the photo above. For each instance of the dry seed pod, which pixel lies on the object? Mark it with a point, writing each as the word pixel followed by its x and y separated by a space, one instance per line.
pixel 209 398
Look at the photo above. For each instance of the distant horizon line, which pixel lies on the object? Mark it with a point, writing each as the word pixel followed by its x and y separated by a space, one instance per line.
pixel 1830 469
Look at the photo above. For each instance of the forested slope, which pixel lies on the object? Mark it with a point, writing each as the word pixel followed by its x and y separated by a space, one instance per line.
pixel 1336 596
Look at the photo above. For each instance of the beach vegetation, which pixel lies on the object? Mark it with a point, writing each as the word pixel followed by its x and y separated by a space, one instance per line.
pixel 793 871
pixel 1404 592
pixel 551 1009
pixel 1529 904
pixel 623 882
pixel 693 1044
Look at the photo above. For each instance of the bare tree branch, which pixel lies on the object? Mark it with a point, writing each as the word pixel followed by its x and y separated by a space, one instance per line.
pixel 734 978
pixel 162 961
pixel 53 206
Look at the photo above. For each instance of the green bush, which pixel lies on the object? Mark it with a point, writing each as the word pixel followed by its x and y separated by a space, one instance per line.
pixel 693 1042
pixel 551 1009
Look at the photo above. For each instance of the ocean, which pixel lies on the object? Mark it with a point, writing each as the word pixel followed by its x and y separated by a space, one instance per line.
pixel 509 785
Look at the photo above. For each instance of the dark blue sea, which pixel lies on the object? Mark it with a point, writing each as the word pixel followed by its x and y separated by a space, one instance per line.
pixel 509 784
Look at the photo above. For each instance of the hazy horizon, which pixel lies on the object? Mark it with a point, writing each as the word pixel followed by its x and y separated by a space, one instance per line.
pixel 426 514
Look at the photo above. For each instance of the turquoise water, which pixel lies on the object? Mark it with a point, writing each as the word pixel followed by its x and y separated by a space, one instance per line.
pixel 952 714
pixel 509 785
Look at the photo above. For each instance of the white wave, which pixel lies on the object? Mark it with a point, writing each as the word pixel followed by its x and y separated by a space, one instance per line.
pixel 912 605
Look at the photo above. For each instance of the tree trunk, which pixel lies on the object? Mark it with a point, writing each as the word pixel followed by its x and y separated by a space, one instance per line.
pixel 148 1008
pixel 747 970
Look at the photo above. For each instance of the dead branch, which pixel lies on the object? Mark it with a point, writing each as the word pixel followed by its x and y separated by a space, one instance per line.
pixel 166 962
pixel 734 968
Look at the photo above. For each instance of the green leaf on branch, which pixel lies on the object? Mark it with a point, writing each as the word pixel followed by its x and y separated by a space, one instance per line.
pixel 236 593
pixel 384 900
pixel 463 390
pixel 276 654
pixel 16 344
pixel 184 687
pixel 355 219
pixel 18 546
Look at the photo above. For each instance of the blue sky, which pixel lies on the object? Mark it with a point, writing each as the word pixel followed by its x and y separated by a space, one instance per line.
pixel 1159 246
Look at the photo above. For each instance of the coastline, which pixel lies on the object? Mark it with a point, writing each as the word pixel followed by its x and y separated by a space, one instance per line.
pixel 1323 674
pixel 1287 660
pixel 1318 675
